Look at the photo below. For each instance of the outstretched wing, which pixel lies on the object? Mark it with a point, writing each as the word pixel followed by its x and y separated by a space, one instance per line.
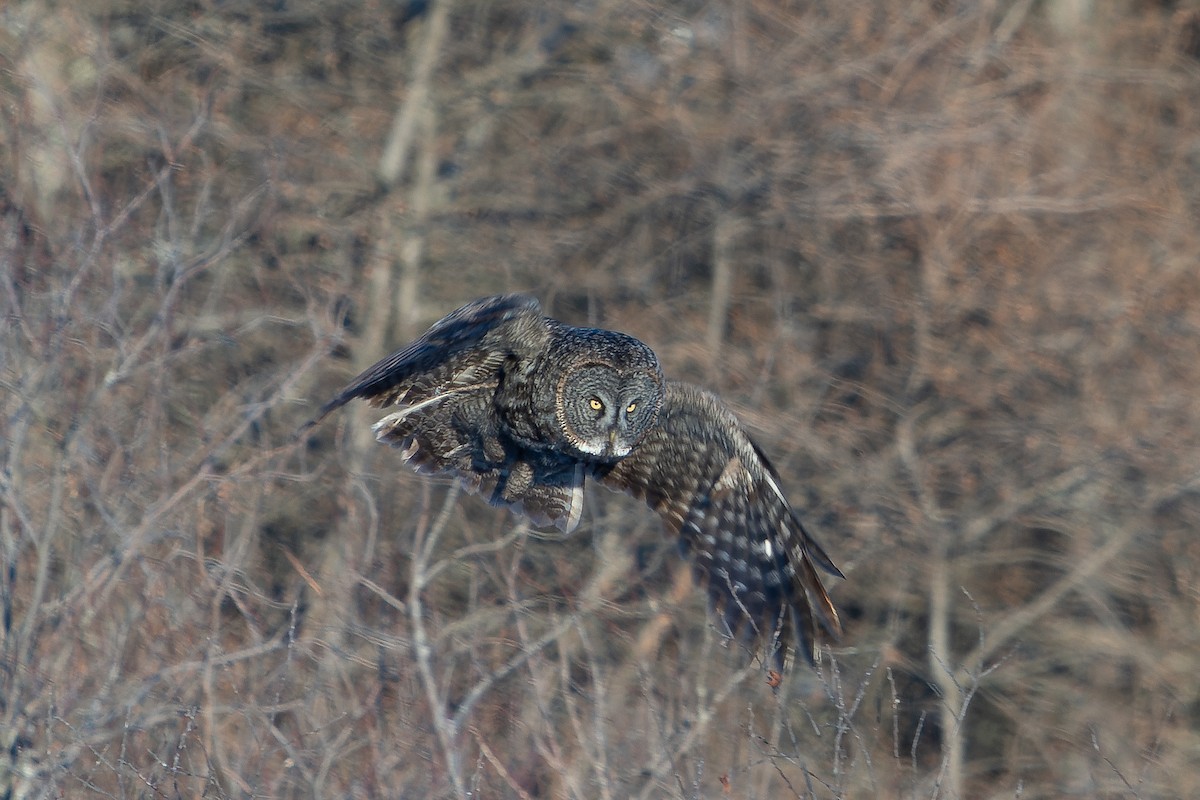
pixel 463 350
pixel 443 387
pixel 714 487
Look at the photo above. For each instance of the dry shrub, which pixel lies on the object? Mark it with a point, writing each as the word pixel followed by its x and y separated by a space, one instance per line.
pixel 939 256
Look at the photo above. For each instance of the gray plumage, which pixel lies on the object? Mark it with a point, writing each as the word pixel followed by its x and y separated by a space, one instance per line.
pixel 523 409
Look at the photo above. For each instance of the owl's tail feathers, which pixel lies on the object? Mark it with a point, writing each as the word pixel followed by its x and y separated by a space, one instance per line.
pixel 550 498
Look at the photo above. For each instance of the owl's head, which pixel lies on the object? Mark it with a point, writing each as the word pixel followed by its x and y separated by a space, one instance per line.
pixel 608 394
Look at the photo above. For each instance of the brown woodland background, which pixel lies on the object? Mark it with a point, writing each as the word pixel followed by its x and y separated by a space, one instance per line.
pixel 940 256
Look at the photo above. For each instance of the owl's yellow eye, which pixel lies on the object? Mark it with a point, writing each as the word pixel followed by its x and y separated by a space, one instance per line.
pixel 596 404
pixel 629 408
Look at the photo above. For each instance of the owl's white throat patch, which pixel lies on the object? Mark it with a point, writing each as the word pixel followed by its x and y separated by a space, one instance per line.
pixel 600 448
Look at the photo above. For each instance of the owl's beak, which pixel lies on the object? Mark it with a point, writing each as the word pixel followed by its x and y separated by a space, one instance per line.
pixel 614 449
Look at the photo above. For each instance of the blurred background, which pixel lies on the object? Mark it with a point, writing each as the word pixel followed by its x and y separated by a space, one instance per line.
pixel 940 257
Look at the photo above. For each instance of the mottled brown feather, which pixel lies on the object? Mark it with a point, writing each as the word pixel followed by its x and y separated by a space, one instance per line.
pixel 712 485
pixel 479 397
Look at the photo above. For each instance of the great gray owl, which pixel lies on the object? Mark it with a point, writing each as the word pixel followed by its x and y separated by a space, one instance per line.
pixel 523 408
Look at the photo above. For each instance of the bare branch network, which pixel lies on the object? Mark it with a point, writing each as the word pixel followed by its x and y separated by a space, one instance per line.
pixel 938 257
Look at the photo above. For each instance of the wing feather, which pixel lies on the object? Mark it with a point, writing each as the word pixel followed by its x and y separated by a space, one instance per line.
pixel 715 488
pixel 465 349
pixel 444 385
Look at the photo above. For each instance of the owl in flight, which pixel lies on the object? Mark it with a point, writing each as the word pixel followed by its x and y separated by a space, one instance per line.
pixel 523 409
